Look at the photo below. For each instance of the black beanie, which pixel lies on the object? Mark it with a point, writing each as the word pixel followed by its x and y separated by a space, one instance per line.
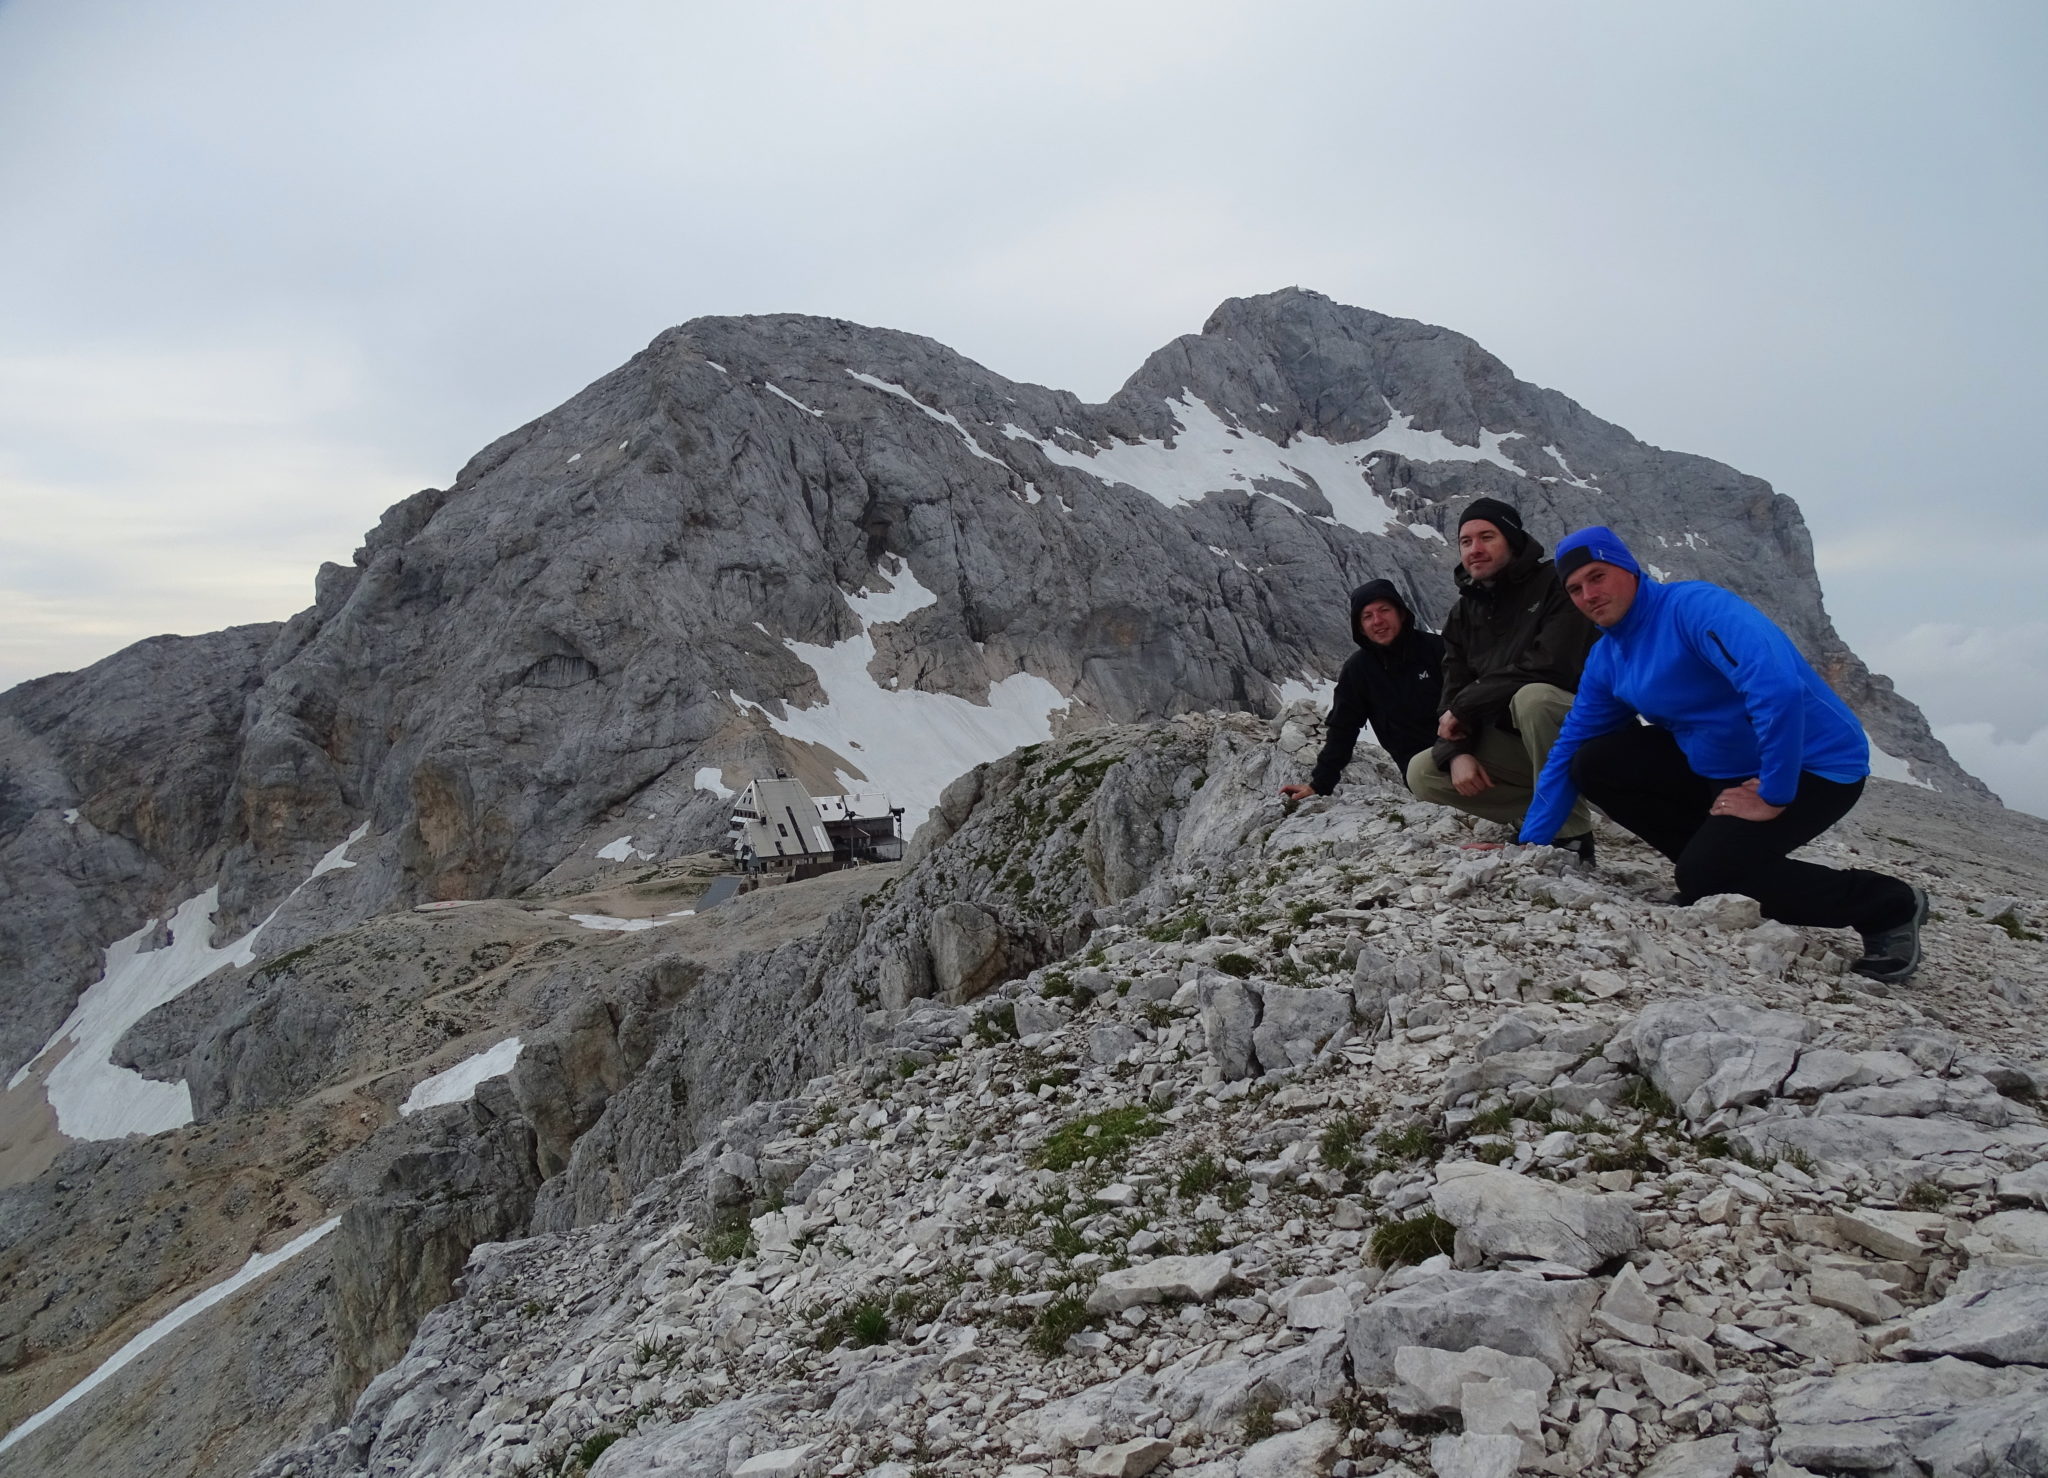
pixel 1502 517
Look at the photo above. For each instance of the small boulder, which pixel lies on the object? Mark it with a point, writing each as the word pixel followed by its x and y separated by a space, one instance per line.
pixel 1503 1214
pixel 1196 1279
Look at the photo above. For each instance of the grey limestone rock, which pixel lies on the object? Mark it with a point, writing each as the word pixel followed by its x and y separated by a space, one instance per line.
pixel 1875 1415
pixel 1431 1382
pixel 717 1439
pixel 1991 1314
pixel 1190 1278
pixel 1471 1455
pixel 1126 1459
pixel 1295 1024
pixel 1228 1019
pixel 1306 1453
pixel 1505 1215
pixel 1710 1457
pixel 1513 1312
pixel 966 943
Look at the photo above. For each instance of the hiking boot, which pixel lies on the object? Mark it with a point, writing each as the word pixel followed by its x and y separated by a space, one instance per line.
pixel 1892 955
pixel 1581 844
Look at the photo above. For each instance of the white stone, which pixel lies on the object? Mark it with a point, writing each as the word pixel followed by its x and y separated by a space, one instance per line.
pixel 1126 1459
pixel 1510 1215
pixel 2026 1186
pixel 1430 1382
pixel 1901 1234
pixel 1475 1457
pixel 1995 1314
pixel 1328 1309
pixel 1307 1453
pixel 1496 1408
pixel 1712 1457
pixel 1627 1298
pixel 2022 1232
pixel 786 1462
pixel 1191 1278
pixel 1852 1294
pixel 1666 1386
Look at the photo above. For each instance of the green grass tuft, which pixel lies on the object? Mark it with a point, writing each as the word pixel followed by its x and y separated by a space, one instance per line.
pixel 1116 1131
pixel 594 1447
pixel 1416 1142
pixel 729 1239
pixel 1200 1176
pixel 1646 1097
pixel 1339 1145
pixel 1056 1323
pixel 1415 1240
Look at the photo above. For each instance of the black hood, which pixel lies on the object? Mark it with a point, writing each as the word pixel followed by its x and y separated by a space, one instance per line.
pixel 1371 591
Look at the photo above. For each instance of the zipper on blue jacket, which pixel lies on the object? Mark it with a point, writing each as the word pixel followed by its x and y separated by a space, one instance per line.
pixel 1724 648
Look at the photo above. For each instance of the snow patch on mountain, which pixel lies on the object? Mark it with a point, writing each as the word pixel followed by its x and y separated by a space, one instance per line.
pixel 940 416
pixel 94 1098
pixel 1890 767
pixel 911 743
pixel 1209 454
pixel 1318 691
pixel 257 1265
pixel 775 389
pixel 458 1084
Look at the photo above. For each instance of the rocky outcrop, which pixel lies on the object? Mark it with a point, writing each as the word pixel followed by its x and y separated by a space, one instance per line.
pixel 398 1252
pixel 1047 1229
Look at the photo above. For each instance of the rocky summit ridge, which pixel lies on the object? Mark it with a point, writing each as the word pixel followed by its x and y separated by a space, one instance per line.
pixel 787 542
pixel 1139 1124
pixel 1111 1127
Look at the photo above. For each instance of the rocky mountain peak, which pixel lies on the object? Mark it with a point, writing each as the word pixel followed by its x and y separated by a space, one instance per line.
pixel 801 543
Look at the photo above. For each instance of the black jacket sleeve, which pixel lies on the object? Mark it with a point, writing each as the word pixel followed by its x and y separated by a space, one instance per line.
pixel 1555 654
pixel 1457 678
pixel 1349 712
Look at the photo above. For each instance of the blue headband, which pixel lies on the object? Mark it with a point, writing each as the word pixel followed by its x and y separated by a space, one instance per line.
pixel 1598 544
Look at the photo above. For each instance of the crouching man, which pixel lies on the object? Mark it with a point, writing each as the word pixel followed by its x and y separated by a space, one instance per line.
pixel 1514 647
pixel 1747 753
pixel 1391 682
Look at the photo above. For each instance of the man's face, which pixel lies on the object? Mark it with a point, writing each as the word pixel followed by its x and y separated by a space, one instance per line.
pixel 1483 549
pixel 1603 592
pixel 1379 622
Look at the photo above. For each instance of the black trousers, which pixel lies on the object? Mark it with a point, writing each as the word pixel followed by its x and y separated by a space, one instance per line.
pixel 1639 777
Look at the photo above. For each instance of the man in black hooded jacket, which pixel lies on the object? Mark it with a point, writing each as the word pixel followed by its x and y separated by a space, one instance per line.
pixel 1391 682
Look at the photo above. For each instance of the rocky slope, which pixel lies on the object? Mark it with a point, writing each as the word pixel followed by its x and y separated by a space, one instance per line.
pixel 447 818
pixel 790 541
pixel 1135 1121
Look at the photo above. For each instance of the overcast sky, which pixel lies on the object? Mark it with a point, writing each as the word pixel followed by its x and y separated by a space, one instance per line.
pixel 268 268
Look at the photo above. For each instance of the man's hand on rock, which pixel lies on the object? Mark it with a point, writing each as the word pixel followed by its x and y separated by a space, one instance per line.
pixel 1468 776
pixel 1297 792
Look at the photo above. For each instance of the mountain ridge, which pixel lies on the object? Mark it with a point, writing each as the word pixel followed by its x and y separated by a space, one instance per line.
pixel 605 603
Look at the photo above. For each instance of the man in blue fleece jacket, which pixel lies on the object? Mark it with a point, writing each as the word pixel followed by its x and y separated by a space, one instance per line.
pixel 1746 755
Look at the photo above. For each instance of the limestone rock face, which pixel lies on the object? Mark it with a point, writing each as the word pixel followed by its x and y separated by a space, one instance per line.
pixel 966 944
pixel 397 1254
pixel 701 560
